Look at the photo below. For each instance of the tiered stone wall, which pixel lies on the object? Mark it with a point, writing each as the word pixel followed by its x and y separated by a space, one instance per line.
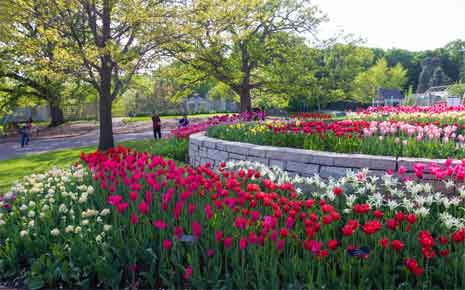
pixel 204 149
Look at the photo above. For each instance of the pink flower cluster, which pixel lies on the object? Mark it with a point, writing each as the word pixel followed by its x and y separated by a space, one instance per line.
pixel 439 108
pixel 184 132
pixel 420 131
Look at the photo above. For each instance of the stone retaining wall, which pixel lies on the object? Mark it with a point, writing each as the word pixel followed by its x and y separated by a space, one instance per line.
pixel 204 149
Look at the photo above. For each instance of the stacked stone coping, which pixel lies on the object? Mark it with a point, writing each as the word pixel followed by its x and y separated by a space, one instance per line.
pixel 203 149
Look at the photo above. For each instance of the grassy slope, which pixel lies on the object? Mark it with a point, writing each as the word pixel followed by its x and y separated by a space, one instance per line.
pixel 15 169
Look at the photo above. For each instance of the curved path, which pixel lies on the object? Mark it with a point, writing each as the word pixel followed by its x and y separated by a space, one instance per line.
pixel 13 149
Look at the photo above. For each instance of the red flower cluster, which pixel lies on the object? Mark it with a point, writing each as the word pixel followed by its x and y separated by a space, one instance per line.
pixel 184 132
pixel 313 116
pixel 237 210
pixel 439 108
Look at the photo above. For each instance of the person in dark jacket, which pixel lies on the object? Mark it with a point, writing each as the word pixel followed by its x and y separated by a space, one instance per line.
pixel 24 136
pixel 156 126
pixel 184 122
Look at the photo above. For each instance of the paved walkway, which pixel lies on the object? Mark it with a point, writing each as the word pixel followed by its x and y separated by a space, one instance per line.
pixel 13 149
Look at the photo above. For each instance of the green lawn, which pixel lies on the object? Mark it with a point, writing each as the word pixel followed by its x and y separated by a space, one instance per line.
pixel 148 118
pixel 15 169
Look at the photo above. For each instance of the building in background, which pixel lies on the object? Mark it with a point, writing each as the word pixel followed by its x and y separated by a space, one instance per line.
pixel 388 97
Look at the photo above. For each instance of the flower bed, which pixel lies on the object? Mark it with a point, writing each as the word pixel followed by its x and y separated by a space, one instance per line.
pixel 131 219
pixel 312 116
pixel 373 138
pixel 184 132
pixel 438 115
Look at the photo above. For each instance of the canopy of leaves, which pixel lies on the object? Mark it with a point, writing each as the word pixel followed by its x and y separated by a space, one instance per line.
pixel 379 76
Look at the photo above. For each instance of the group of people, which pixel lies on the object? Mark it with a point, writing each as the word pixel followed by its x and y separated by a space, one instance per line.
pixel 25 132
pixel 156 122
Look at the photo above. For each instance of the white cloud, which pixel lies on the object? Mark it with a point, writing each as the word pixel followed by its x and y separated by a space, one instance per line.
pixel 408 24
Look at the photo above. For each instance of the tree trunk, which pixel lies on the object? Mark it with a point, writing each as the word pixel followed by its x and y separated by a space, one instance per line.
pixel 106 124
pixel 57 117
pixel 246 102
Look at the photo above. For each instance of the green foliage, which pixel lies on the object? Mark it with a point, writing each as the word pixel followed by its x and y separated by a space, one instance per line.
pixel 409 97
pixel 236 42
pixel 379 76
pixel 457 90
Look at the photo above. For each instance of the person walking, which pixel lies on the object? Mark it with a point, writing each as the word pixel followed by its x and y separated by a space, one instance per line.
pixel 24 136
pixel 156 126
pixel 184 122
pixel 29 129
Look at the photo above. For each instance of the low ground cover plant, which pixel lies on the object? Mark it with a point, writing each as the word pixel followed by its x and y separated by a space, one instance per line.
pixel 126 218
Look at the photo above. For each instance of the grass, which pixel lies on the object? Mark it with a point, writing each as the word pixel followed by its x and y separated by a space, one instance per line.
pixel 13 170
pixel 148 118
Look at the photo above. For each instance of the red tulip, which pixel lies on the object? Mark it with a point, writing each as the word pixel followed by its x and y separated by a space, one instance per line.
pixel 178 232
pixel 425 239
pixel 378 214
pixel 134 219
pixel 332 244
pixel 167 244
pixel 218 236
pixel 371 227
pixel 133 195
pixel 228 242
pixel 397 245
pixel 187 273
pixel 391 224
pixel 337 190
pixel 196 229
pixel 114 199
pixel 242 243
pixel 122 207
pixel 143 208
pixel 444 253
pixel 210 252
pixel 411 218
pixel 159 224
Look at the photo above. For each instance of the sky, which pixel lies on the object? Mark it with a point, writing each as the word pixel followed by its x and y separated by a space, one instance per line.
pixel 409 24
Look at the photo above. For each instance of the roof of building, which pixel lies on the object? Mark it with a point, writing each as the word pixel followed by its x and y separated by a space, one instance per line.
pixel 388 93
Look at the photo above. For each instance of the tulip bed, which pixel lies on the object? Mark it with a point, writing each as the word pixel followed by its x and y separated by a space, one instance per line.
pixel 438 115
pixel 388 138
pixel 185 132
pixel 131 219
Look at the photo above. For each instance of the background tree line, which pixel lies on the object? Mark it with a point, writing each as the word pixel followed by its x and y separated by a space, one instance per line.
pixel 259 52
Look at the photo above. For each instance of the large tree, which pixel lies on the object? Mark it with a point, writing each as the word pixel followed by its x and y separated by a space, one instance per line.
pixel 233 40
pixel 109 40
pixel 28 56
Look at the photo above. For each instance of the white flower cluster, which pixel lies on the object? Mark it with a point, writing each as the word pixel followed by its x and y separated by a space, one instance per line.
pixel 385 192
pixel 56 204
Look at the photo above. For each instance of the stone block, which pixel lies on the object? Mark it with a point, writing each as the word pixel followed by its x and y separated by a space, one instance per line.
pixel 237 156
pixel 279 163
pixel 289 154
pixel 322 158
pixel 332 171
pixel 209 144
pixel 217 155
pixel 302 168
pixel 258 151
pixel 221 145
pixel 383 163
pixel 257 159
pixel 239 148
pixel 352 160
